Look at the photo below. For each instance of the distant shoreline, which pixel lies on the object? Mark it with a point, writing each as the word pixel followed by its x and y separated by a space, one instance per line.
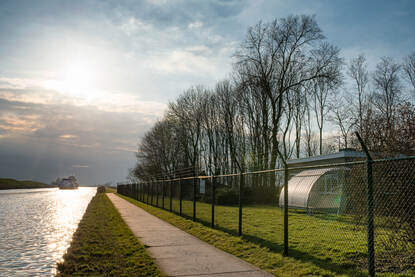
pixel 7 183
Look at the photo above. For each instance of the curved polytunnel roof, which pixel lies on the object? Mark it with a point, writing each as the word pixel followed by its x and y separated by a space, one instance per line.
pixel 300 185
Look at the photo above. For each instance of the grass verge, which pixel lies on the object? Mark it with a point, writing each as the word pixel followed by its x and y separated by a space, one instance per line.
pixel 104 245
pixel 266 256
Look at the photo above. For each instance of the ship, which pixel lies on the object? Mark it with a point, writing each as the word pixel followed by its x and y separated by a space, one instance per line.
pixel 68 183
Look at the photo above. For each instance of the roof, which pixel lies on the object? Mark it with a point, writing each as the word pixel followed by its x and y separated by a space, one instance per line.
pixel 341 154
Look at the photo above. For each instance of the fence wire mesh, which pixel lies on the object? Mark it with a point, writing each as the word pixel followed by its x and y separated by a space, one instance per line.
pixel 327 210
pixel 394 209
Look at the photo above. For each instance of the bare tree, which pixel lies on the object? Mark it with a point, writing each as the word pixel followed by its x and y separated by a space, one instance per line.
pixel 409 69
pixel 310 138
pixel 281 56
pixel 342 115
pixel 300 106
pixel 358 72
pixel 388 89
pixel 187 112
pixel 233 123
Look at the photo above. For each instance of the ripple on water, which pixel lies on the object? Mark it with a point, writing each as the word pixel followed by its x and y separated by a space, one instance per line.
pixel 37 226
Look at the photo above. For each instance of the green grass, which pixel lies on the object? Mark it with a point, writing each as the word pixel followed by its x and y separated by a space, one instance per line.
pixel 324 245
pixel 103 245
pixel 16 184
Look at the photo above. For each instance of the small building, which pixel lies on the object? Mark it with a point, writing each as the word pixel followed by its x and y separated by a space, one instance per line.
pixel 317 183
pixel 343 156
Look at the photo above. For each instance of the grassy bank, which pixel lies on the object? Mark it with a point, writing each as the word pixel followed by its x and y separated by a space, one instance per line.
pixel 16 184
pixel 104 245
pixel 325 245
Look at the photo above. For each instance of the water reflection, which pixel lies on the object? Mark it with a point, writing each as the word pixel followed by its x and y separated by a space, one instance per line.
pixel 36 228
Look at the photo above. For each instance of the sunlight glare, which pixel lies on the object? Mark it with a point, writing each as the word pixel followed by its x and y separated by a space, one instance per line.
pixel 76 78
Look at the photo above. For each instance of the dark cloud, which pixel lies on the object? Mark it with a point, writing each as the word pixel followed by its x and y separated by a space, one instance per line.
pixel 179 13
pixel 40 141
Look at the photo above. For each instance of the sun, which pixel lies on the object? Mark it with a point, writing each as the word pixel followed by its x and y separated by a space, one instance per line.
pixel 77 77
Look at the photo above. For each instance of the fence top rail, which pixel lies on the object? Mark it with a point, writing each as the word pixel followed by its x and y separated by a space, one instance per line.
pixel 279 170
pixel 395 159
pixel 328 165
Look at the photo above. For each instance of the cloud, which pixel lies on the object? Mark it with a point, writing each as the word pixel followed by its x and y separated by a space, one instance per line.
pixel 69 132
pixel 140 55
pixel 68 136
pixel 80 166
pixel 195 25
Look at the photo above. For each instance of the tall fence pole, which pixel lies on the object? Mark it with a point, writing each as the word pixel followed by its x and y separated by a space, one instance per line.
pixel 213 202
pixel 194 198
pixel 171 196
pixel 152 192
pixel 157 194
pixel 148 193
pixel 370 211
pixel 163 193
pixel 241 186
pixel 180 196
pixel 285 210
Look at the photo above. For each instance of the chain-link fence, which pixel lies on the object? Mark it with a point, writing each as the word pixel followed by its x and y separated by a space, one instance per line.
pixel 356 216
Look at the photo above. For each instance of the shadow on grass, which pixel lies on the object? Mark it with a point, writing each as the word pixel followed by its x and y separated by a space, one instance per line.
pixel 327 264
pixel 345 268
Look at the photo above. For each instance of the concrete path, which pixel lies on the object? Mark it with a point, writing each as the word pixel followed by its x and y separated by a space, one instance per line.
pixel 178 253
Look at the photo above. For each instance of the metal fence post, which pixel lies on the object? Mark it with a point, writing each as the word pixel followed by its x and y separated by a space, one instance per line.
pixel 171 196
pixel 157 194
pixel 285 210
pixel 180 196
pixel 151 193
pixel 162 194
pixel 148 193
pixel 370 211
pixel 241 186
pixel 194 198
pixel 213 202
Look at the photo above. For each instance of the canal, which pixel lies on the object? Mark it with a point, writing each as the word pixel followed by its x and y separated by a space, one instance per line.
pixel 36 228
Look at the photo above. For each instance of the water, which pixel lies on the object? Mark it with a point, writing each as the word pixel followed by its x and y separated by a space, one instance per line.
pixel 36 228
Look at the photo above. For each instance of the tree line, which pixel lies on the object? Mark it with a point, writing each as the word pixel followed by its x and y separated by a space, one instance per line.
pixel 287 84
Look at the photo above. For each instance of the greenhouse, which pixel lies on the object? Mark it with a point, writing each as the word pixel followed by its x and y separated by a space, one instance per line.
pixel 316 190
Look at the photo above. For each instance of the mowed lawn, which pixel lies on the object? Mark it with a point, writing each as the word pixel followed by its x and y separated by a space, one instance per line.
pixel 320 244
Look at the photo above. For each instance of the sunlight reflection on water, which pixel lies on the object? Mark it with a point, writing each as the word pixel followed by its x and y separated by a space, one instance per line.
pixel 36 227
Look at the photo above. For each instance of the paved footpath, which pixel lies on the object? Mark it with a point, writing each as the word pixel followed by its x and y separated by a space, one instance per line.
pixel 178 253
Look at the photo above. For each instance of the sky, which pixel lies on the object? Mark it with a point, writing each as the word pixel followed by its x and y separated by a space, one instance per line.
pixel 82 81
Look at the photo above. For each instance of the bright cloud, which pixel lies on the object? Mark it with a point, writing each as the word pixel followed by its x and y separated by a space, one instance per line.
pixel 80 85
